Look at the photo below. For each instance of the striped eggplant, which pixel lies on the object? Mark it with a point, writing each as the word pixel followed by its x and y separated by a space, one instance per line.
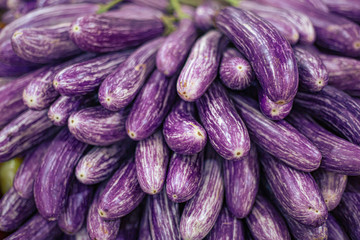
pixel 129 229
pixel 96 226
pixel 201 67
pixel 201 212
pixel 98 126
pixel 235 71
pixel 151 106
pixel 182 132
pixel 8 16
pixel 334 107
pixel 241 182
pixel 85 77
pixel 23 132
pixel 172 54
pixel 47 3
pixel 346 8
pixel 36 228
pixel 9 57
pixel 314 4
pixel 274 137
pixel 339 155
pixel 336 232
pixel 144 229
pixel 74 213
pixel 312 72
pixel 54 177
pixel 348 213
pixel 13 70
pixel 226 130
pixel 272 110
pixel 274 67
pixel 135 11
pixel 100 162
pixel 28 170
pixel 151 158
pixel 81 235
pixel 45 44
pixel 14 210
pixel 122 193
pixel 205 13
pixel 158 4
pixel 332 185
pixel 6 80
pixel 353 184
pixel 184 176
pixel 298 192
pixel 91 33
pixel 121 86
pixel 265 222
pixel 164 217
pixel 227 227
pixel 300 21
pixel 40 92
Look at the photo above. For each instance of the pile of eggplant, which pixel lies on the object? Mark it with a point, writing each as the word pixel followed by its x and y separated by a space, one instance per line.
pixel 185 120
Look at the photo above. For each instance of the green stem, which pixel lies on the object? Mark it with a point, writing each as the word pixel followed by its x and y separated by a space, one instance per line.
pixel 234 3
pixel 169 24
pixel 106 7
pixel 193 3
pixel 175 4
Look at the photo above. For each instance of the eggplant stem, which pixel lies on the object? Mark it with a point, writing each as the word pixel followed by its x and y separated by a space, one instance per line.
pixel 175 5
pixel 106 7
pixel 169 24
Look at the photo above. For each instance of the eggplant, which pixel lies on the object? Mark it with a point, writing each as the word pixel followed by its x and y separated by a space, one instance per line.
pixel 47 3
pixel 346 8
pixel 151 106
pixel 336 232
pixel 314 4
pixel 226 130
pixel 7 70
pixel 201 67
pixel 54 177
pixel 9 57
pixel 274 67
pixel 205 13
pixel 273 110
pixel 151 158
pixel 129 228
pixel 121 86
pixel 144 229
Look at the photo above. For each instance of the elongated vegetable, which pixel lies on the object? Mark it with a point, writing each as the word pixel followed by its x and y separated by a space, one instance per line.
pixel 13 70
pixel 255 38
pixel 346 8
pixel 158 4
pixel 205 13
pixel 144 230
pixel 131 223
pixel 315 4
pixel 336 232
pixel 273 110
pixel 9 57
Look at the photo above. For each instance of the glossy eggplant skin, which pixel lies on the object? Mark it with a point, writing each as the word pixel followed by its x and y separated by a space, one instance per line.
pixel 274 137
pixel 184 176
pixel 27 172
pixel 235 71
pixel 98 126
pixel 346 8
pixel 74 213
pixel 271 109
pixel 201 212
pixel 201 67
pixel 182 132
pixel 339 155
pixel 83 78
pixel 14 210
pixel 226 130
pixel 23 132
pixel 152 158
pixel 122 193
pixel 54 176
pixel 265 222
pixel 241 182
pixel 275 68
pixel 205 13
pixel 336 232
pixel 121 86
pixel 298 195
pixel 151 106
pixel 172 54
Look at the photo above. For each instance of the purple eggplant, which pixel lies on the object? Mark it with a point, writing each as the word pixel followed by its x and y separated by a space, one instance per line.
pixel 164 217
pixel 6 80
pixel 265 222
pixel 121 86
pixel 129 228
pixel 81 235
pixel 274 137
pixel 98 126
pixel 9 57
pixel 158 4
pixel 36 228
pixel 14 210
pixel 100 162
pixel 274 67
pixel 226 130
pixel 353 184
pixel 28 170
pixel 336 232
pixel 346 8
pixel 13 70
pixel 151 106
pixel 54 176
pixel 83 78
pixel 201 212
pixel 205 13
pixel 241 181
pixel 227 227
pixel 235 71
pixel 298 193
pixel 74 214
pixel 122 193
pixel 201 67
pixel 184 176
pixel 182 132
pixel 314 4
pixel 273 110
pixel 47 3
pixel 151 158
pixel 144 229
pixel 24 132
